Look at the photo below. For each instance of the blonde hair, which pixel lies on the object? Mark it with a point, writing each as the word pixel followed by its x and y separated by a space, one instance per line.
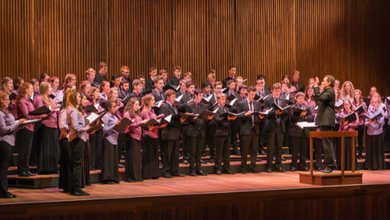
pixel 43 90
pixel 344 93
pixel 361 96
pixel 146 101
pixel 71 100
pixel 4 84
pixel 129 108
pixel 3 96
pixel 110 93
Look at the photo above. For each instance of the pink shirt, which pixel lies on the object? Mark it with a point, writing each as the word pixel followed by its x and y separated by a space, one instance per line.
pixel 361 118
pixel 310 103
pixel 134 130
pixel 24 107
pixel 351 126
pixel 51 119
pixel 146 114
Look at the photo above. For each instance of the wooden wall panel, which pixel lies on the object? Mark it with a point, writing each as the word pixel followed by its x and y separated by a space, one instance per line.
pixel 345 38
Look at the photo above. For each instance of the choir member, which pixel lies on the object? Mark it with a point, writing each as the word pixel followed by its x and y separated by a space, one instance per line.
pixel 69 78
pixel 196 133
pixel 275 128
pixel 222 136
pixel 374 137
pixel 290 89
pixel 357 101
pixel 212 125
pixel 124 92
pixel 239 81
pixel 24 135
pixel 37 126
pixel 140 78
pixel 35 84
pixel 261 78
pixel 309 97
pixel 348 126
pixel 56 94
pixel 17 82
pixel 336 84
pixel 300 87
pixel 326 117
pixel 115 82
pixel 207 91
pixel 249 129
pixel 95 139
pixel 133 142
pixel 299 138
pixel 347 91
pixel 188 78
pixel 176 79
pixel 170 137
pixel 149 83
pixel 150 140
pixel 84 87
pixel 100 76
pixel 373 90
pixel 231 85
pixel 232 72
pixel 311 82
pixel 164 74
pixel 90 73
pixel 7 141
pixel 44 78
pixel 7 86
pixel 158 89
pixel 183 88
pixel 104 87
pixel 85 176
pixel 242 93
pixel 77 140
pixel 64 146
pixel 261 91
pixel 110 172
pixel 125 72
pixel 48 133
pixel 137 89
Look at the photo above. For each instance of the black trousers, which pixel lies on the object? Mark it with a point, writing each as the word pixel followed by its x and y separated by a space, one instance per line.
pixel 222 152
pixel 121 145
pixel 298 147
pixel 95 156
pixel 64 163
pixel 211 137
pixel 5 154
pixel 76 148
pixel 275 140
pixel 171 157
pixel 360 130
pixel 374 152
pixel 234 132
pixel 262 136
pixel 328 149
pixel 249 142
pixel 23 142
pixel 196 145
pixel 319 152
pixel 185 143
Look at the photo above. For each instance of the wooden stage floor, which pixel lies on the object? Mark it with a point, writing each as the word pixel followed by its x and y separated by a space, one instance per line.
pixel 184 187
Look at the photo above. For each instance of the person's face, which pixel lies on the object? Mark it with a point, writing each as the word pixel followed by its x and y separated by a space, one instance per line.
pixel 183 87
pixel 125 73
pixel 357 95
pixel 73 80
pixel 244 91
pixel 5 102
pixel 232 86
pixel 232 71
pixel 212 82
pixel 139 88
pixel 199 97
pixel 190 90
pixel 142 80
pixel 310 92
pixel 284 88
pixel 10 85
pixel 83 101
pixel 46 79
pixel 106 87
pixel 125 87
pixel 374 103
pixel 171 98
pixel 117 82
pixel 153 73
pixel 239 82
pixel 87 88
pixel 222 101
pixel 164 76
pixel 152 101
pixel 207 89
pixel 217 89
pixel 159 85
pixel 286 80
pixel 103 70
pixel 336 83
pixel 276 93
pixel 177 73
pixel 312 83
pixel 112 110
pixel 347 106
pixel 188 79
pixel 114 96
pixel 372 91
pixel 296 77
pixel 30 90
pixel 78 98
pixel 49 90
pixel 325 84
pixel 91 76
pixel 55 84
pixel 260 84
pixel 36 87
pixel 96 93
pixel 347 87
pixel 251 95
pixel 300 99
pixel 136 105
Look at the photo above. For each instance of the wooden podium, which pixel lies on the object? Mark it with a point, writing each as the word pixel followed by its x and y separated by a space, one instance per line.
pixel 336 177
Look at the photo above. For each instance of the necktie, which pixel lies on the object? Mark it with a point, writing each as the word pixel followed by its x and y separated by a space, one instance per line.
pixel 174 109
pixel 251 109
pixel 198 105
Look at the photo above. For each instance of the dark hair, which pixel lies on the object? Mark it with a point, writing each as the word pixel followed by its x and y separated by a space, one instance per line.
pixel 198 91
pixel 331 79
pixel 114 77
pixel 81 98
pixel 261 76
pixel 108 105
pixel 243 86
pixel 17 82
pixel 43 76
pixel 286 76
pixel 140 76
pixel 189 83
pixel 251 89
pixel 231 67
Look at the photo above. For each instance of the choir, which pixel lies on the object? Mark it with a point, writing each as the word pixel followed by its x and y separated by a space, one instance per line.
pixel 90 128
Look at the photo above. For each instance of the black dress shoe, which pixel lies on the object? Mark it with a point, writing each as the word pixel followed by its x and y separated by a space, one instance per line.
pixel 23 174
pixel 219 172
pixel 228 171
pixel 201 173
pixel 108 182
pixel 65 191
pixel 9 195
pixel 327 170
pixel 252 170
pixel 211 160
pixel 192 173
pixel 167 176
pixel 258 159
pixel 243 171
pixel 31 174
pixel 203 161
pixel 280 169
pixel 293 169
pixel 179 175
pixel 304 169
pixel 80 193
pixel 269 170
pixel 185 161
pixel 283 159
pixel 116 181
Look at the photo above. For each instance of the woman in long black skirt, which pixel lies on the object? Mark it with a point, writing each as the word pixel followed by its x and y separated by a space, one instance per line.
pixel 86 176
pixel 48 135
pixel 7 140
pixel 77 139
pixel 150 143
pixel 133 142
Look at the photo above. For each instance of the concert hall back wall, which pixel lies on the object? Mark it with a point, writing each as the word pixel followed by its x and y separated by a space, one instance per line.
pixel 346 38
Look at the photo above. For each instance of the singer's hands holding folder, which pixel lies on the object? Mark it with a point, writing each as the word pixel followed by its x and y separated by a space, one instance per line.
pixel 182 119
pixel 232 118
pixel 210 117
pixel 279 112
pixel 248 113
pixel 163 125
pixel 372 121
pixel 150 127
pixel 303 114
pixel 44 116
pixel 21 121
pixel 345 123
pixel 261 116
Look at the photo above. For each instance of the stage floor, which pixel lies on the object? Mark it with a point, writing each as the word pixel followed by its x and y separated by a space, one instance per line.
pixel 211 184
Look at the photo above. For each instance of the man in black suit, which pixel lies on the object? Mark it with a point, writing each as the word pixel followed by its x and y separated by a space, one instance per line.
pixel 125 71
pixel 207 93
pixel 170 137
pixel 326 117
pixel 158 91
pixel 212 125
pixel 149 83
pixel 298 85
pixel 231 85
pixel 232 72
pixel 164 74
pixel 299 138
pixel 249 130
pixel 187 99
pixel 176 79
pixel 261 91
pixel 137 89
pixel 196 133
pixel 262 78
pixel 222 136
pixel 100 77
pixel 275 128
